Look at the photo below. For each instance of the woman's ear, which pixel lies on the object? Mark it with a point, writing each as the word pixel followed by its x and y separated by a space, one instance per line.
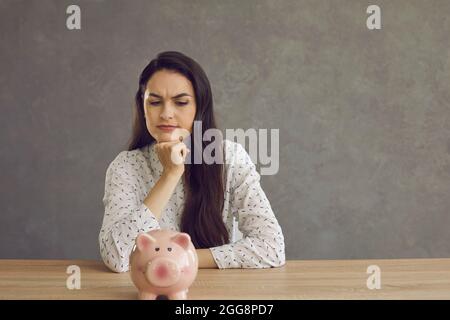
pixel 144 240
pixel 182 239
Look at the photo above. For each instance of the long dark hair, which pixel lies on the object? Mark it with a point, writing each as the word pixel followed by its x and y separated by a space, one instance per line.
pixel 202 213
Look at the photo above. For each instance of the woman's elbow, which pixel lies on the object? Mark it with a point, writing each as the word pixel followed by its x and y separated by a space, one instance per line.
pixel 265 264
pixel 280 252
pixel 112 260
pixel 277 256
pixel 275 260
pixel 117 269
pixel 270 254
pixel 279 263
pixel 115 266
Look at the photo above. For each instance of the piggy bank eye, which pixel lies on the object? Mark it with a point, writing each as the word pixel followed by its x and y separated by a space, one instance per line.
pixel 169 249
pixel 156 249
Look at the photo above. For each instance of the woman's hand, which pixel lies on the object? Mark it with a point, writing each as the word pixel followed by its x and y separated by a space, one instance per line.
pixel 172 155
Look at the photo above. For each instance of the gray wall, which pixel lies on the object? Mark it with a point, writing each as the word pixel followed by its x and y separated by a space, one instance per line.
pixel 363 115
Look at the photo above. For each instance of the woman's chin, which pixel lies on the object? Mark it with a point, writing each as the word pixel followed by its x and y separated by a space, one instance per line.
pixel 164 137
pixel 172 136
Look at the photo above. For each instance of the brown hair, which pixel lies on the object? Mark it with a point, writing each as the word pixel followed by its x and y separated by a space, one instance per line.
pixel 202 213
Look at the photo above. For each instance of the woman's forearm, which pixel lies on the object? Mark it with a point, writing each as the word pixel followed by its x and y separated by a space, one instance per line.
pixel 159 195
pixel 206 259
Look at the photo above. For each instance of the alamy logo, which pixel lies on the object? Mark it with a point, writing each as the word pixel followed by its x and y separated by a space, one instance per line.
pixel 374 280
pixel 73 21
pixel 374 20
pixel 74 280
pixel 258 145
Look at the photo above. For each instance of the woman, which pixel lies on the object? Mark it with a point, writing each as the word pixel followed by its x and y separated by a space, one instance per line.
pixel 146 190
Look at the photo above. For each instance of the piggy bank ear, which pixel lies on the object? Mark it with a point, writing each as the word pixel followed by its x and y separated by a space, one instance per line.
pixel 183 239
pixel 144 240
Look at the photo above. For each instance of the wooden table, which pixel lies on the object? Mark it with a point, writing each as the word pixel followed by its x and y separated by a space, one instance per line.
pixel 315 279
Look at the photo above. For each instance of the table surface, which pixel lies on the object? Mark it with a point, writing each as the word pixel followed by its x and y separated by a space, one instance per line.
pixel 305 279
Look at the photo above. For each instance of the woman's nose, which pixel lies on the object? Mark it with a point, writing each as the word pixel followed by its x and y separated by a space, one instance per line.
pixel 167 112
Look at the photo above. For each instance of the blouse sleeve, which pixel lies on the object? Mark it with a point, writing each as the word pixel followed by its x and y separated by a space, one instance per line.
pixel 125 215
pixel 262 245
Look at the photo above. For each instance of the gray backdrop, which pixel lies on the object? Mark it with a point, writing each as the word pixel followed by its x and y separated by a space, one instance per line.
pixel 363 115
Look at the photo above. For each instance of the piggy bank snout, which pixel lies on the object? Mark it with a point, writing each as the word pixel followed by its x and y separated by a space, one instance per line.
pixel 163 272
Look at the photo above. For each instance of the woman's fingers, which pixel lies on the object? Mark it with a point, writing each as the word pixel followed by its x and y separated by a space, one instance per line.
pixel 178 153
pixel 175 150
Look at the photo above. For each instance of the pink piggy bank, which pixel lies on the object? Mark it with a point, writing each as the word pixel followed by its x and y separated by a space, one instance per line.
pixel 163 262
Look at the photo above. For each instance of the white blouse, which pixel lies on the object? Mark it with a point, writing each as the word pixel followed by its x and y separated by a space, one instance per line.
pixel 258 242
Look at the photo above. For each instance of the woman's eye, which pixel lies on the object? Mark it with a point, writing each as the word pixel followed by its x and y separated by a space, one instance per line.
pixel 156 249
pixel 169 249
pixel 180 103
pixel 154 103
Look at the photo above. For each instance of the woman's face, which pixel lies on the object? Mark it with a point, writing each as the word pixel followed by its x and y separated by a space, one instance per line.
pixel 169 100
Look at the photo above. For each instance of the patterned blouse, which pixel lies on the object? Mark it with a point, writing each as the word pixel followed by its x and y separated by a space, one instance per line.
pixel 256 238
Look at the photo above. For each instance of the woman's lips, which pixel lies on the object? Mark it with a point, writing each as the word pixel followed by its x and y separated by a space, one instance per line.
pixel 167 128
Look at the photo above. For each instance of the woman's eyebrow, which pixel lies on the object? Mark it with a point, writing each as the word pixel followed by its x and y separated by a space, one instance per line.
pixel 174 97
